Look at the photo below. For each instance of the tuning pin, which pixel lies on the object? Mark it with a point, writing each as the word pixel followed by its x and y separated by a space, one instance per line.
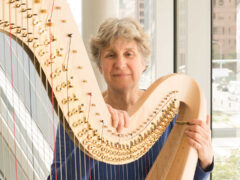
pixel 58 88
pixel 30 40
pixel 24 34
pixel 59 52
pixel 64 101
pixel 18 30
pixel 37 1
pixel 41 52
pixel 31 15
pixel 43 11
pixel 6 24
pixel 35 21
pixel 36 45
pixel 41 30
pixel 74 51
pixel 46 42
pixel 25 9
pixel 64 68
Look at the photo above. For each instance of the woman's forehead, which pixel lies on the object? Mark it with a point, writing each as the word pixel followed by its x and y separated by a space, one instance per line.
pixel 121 43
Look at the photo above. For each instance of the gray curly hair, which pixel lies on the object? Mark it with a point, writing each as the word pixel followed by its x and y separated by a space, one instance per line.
pixel 114 28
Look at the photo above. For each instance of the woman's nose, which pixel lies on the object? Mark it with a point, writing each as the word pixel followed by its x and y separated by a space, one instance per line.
pixel 120 62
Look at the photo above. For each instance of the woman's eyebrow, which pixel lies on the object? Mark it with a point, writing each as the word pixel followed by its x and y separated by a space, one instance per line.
pixel 109 50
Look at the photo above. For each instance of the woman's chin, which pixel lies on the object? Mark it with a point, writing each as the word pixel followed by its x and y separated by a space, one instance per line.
pixel 122 86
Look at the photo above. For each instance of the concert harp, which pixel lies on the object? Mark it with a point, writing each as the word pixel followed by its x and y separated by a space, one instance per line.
pixel 50 37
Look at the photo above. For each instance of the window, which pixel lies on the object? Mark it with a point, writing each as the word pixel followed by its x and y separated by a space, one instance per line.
pixel 226 95
pixel 213 15
pixel 141 6
pixel 225 83
pixel 141 13
pixel 220 2
pixel 213 2
pixel 221 18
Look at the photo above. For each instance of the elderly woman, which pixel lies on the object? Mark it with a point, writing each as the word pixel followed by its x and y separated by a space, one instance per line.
pixel 121 50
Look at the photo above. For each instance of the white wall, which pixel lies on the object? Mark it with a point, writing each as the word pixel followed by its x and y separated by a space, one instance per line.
pixel 94 12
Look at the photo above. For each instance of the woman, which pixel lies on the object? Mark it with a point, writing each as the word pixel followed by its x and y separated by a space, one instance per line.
pixel 121 50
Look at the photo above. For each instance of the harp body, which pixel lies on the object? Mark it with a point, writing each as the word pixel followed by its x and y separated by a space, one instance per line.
pixel 54 42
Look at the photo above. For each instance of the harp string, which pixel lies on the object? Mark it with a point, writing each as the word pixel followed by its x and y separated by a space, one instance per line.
pixel 26 116
pixel 13 110
pixel 59 145
pixel 8 117
pixel 24 74
pixel 2 156
pixel 35 91
pixel 1 108
pixel 88 116
pixel 30 96
pixel 35 80
pixel 18 53
pixel 27 75
pixel 15 51
pixel 52 97
pixel 63 120
pixel 25 99
pixel 1 124
pixel 41 78
pixel 15 54
pixel 98 161
pixel 67 95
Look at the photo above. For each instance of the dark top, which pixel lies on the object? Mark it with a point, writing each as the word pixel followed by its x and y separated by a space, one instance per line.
pixel 72 163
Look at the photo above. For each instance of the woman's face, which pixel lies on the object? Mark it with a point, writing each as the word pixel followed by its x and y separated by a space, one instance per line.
pixel 122 64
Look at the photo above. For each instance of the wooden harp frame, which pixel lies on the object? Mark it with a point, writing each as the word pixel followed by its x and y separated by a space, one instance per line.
pixel 56 44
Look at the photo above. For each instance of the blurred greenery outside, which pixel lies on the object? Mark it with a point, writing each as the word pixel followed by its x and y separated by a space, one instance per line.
pixel 219 116
pixel 227 167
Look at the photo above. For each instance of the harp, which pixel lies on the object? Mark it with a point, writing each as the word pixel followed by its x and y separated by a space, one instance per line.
pixel 46 30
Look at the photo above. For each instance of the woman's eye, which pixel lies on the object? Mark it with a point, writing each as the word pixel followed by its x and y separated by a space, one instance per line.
pixel 110 55
pixel 129 54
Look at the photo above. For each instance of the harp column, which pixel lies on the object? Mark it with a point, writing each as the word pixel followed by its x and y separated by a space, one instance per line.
pixel 94 12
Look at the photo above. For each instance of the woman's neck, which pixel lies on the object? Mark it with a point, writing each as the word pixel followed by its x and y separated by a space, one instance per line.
pixel 123 100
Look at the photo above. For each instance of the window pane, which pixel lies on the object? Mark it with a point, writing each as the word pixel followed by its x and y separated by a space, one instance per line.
pixel 182 36
pixel 226 88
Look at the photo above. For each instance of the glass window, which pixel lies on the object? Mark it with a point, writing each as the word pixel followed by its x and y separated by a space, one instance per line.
pixel 215 30
pixel 225 81
pixel 226 91
pixel 221 2
pixel 182 36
